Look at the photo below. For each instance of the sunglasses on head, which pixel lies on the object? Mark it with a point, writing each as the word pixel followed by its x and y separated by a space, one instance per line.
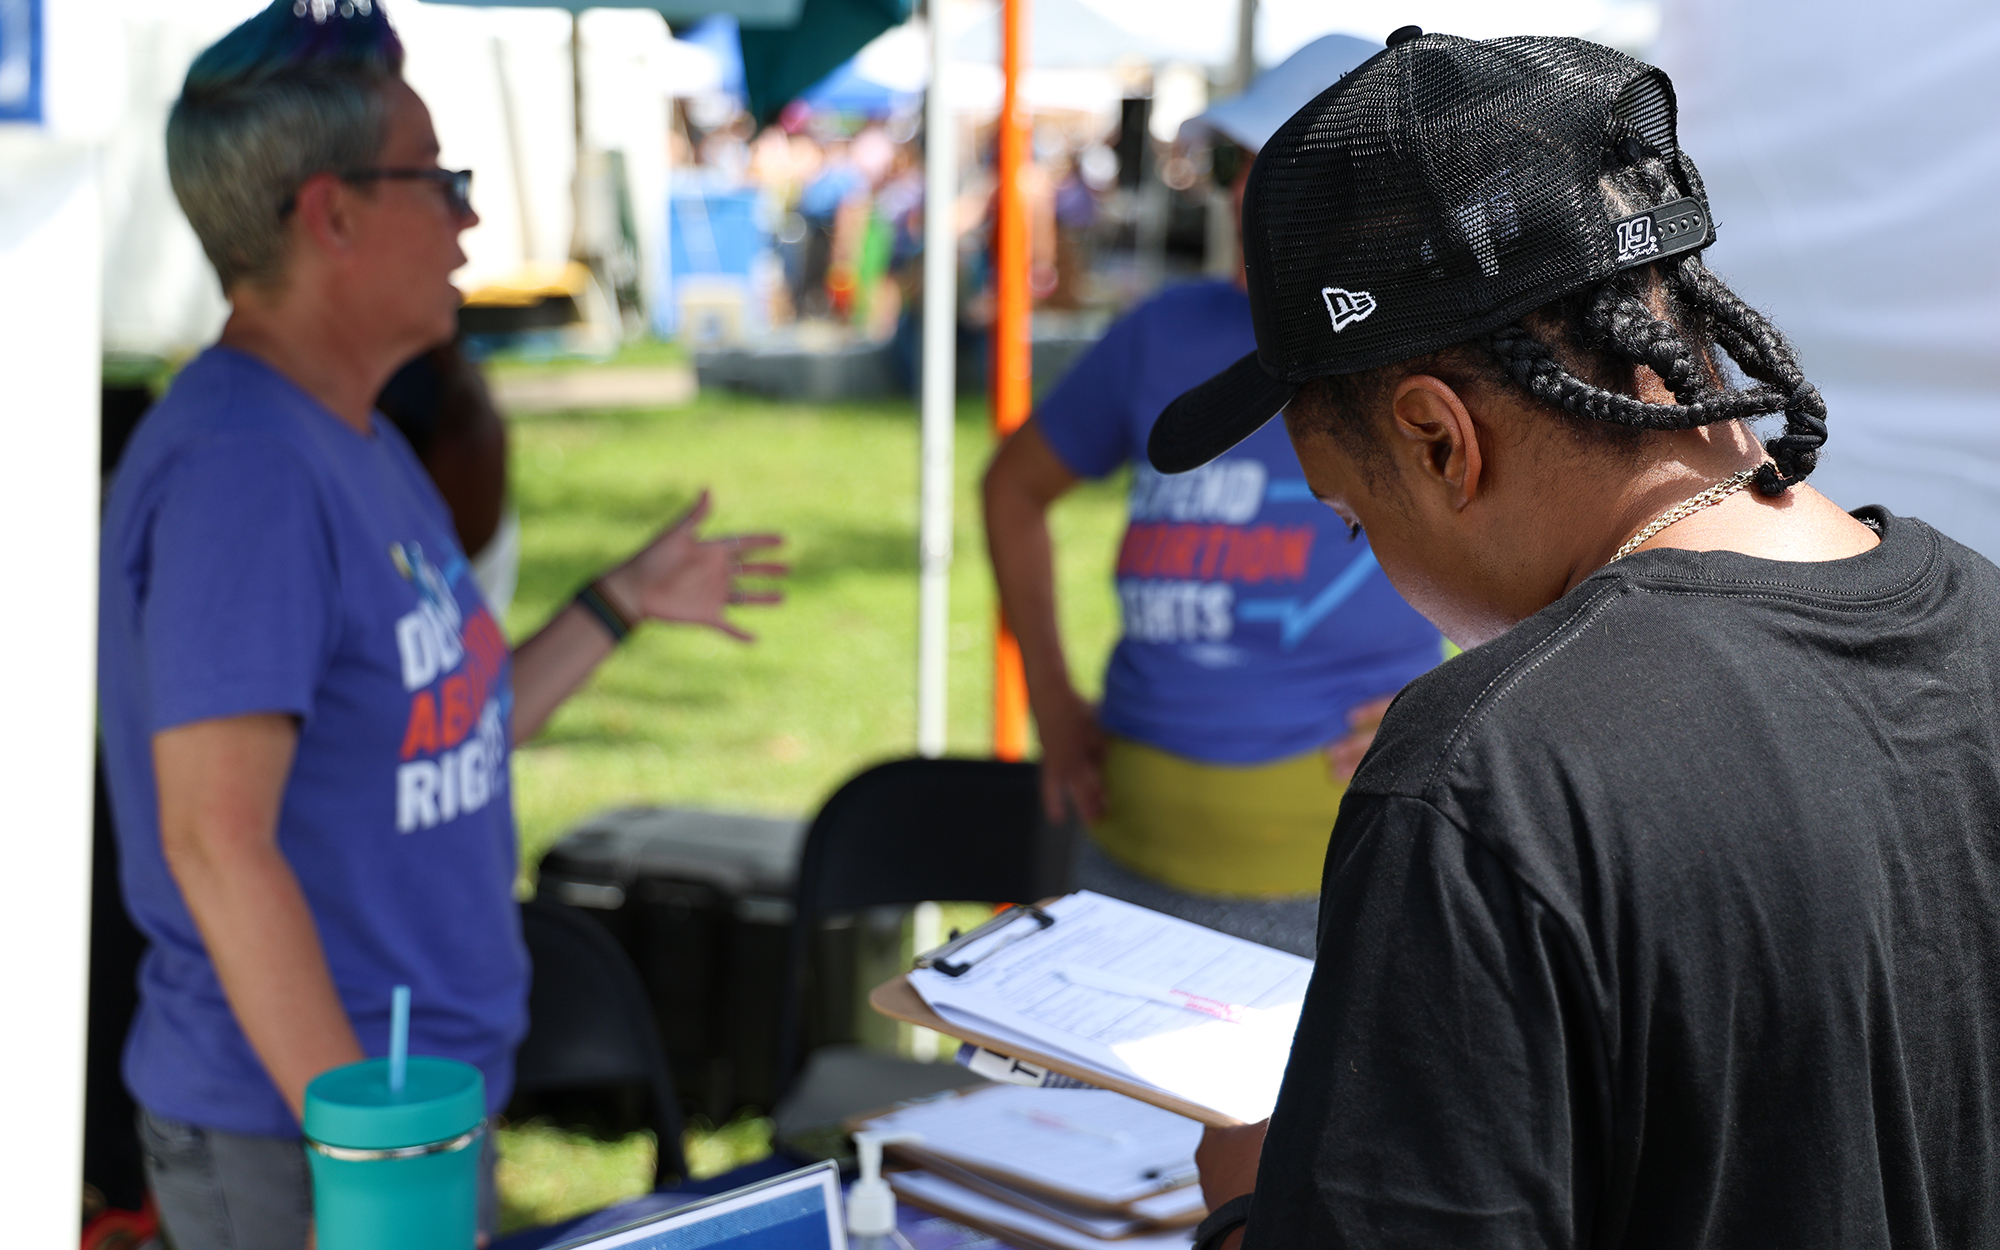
pixel 455 183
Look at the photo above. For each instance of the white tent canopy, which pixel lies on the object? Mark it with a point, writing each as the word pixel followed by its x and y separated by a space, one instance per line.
pixel 1204 31
pixel 498 85
pixel 1853 163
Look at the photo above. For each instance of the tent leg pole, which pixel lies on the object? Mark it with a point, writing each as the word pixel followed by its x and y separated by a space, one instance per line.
pixel 1011 357
pixel 940 330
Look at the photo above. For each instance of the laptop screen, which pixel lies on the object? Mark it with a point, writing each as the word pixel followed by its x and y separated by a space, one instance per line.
pixel 797 1211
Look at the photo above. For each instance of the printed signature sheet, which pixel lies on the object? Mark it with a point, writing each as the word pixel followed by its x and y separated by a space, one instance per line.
pixel 1015 991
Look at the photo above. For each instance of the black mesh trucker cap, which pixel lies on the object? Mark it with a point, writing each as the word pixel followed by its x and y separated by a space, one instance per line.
pixel 1438 192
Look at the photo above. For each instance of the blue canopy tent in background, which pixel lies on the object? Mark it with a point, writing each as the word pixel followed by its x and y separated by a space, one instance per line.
pixel 848 90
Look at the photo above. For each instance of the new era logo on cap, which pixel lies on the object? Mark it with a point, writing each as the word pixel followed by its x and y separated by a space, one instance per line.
pixel 1346 307
pixel 1459 185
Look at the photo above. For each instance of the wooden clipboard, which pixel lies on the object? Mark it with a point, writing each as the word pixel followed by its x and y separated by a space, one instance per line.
pixel 1005 1235
pixel 899 1000
pixel 919 1156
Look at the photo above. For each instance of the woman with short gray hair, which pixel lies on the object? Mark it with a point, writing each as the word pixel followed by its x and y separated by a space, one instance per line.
pixel 307 706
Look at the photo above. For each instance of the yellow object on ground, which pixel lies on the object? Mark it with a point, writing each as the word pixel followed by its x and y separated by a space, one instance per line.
pixel 532 283
pixel 1256 831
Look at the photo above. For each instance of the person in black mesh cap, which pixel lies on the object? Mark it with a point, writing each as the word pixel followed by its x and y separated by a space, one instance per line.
pixel 1665 915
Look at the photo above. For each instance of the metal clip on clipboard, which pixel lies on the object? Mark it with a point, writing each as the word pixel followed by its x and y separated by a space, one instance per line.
pixel 940 959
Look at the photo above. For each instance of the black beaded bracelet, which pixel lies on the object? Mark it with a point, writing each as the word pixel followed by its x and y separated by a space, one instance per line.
pixel 592 600
pixel 1221 1222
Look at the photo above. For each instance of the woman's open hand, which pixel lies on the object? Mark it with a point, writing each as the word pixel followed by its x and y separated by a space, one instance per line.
pixel 682 576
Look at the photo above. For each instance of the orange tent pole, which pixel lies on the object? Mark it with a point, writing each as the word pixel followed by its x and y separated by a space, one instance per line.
pixel 1011 362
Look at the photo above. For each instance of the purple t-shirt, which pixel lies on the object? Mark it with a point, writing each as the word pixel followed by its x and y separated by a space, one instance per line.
pixel 1252 625
pixel 260 555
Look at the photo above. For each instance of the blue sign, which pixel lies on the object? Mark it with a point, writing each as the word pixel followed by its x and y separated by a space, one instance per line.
pixel 20 60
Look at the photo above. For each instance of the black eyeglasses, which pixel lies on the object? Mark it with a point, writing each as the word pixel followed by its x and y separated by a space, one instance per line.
pixel 455 183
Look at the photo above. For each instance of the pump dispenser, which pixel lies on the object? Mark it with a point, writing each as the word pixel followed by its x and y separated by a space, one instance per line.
pixel 871 1204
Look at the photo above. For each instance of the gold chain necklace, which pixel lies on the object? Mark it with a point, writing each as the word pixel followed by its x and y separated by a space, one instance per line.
pixel 1687 508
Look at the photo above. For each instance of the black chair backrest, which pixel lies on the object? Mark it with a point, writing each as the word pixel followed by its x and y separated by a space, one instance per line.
pixel 914 830
pixel 589 1023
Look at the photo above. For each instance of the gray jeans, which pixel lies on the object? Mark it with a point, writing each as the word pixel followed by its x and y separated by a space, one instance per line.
pixel 231 1191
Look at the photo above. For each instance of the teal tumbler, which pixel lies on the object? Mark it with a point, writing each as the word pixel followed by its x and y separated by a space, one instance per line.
pixel 396 1170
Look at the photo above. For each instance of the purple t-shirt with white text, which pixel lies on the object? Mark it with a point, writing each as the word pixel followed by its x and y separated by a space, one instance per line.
pixel 261 556
pixel 1252 625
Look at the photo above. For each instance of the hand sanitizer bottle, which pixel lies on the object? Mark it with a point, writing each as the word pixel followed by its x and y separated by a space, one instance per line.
pixel 871 1204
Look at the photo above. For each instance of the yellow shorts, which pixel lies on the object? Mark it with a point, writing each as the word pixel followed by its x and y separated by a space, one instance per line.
pixel 1256 831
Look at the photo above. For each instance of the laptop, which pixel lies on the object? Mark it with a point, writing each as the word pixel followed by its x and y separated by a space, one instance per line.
pixel 797 1211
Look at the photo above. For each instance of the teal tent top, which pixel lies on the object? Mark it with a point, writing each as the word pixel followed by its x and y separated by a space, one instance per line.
pixel 788 45
pixel 780 64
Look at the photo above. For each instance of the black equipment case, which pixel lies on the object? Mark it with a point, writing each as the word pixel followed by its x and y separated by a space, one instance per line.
pixel 703 903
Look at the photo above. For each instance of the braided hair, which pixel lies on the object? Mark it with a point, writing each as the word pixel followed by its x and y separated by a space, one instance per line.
pixel 1579 354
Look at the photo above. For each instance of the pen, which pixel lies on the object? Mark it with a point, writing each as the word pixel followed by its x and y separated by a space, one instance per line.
pixel 1098 979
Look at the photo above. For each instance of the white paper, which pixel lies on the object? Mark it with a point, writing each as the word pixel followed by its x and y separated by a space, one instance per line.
pixel 960 1202
pixel 1019 993
pixel 1172 1205
pixel 1094 1144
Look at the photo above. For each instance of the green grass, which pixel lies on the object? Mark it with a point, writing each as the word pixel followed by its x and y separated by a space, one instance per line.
pixel 685 716
pixel 637 352
pixel 546 1175
pixel 688 716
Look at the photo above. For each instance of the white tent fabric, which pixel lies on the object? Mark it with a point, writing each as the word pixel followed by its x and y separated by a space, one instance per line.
pixel 1204 31
pixel 1065 34
pixel 160 296
pixel 50 206
pixel 1853 163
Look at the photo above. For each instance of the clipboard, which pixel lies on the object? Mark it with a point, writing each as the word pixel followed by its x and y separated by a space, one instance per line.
pixel 899 1000
pixel 1017 1183
pixel 1120 952
pixel 1008 1230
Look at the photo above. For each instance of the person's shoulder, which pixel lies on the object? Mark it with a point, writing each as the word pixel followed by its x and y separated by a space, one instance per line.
pixel 224 416
pixel 1452 710
pixel 224 393
pixel 1674 631
pixel 1968 569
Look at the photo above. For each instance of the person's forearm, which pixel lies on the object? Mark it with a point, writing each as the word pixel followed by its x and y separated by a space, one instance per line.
pixel 1017 538
pixel 550 666
pixel 678 576
pixel 266 950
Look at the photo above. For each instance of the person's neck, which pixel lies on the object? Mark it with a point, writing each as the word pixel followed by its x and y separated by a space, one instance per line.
pixel 329 356
pixel 1799 525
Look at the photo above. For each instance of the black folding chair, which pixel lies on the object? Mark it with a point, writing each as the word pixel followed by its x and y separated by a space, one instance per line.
pixel 911 831
pixel 590 1027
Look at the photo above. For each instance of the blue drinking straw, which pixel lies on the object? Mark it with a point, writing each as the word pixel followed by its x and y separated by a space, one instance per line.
pixel 399 1038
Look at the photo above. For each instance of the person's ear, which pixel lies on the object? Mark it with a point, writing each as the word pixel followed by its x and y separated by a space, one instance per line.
pixel 1435 431
pixel 323 212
